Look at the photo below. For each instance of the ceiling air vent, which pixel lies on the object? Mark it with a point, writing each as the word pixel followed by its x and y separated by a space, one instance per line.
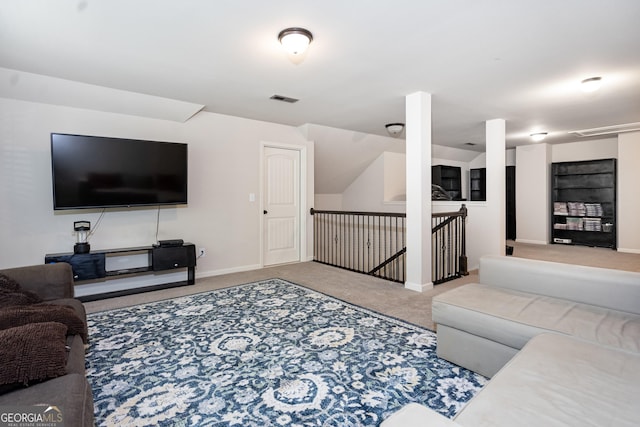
pixel 608 130
pixel 284 99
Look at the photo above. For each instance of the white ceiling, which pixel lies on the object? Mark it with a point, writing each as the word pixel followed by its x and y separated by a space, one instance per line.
pixel 517 60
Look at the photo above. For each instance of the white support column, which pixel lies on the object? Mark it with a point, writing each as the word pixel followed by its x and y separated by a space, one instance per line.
pixel 496 192
pixel 418 148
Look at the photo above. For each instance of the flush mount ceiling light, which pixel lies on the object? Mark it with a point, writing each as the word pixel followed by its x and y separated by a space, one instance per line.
pixel 538 136
pixel 295 40
pixel 394 129
pixel 591 84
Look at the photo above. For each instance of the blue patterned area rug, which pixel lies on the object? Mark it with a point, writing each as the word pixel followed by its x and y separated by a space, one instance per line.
pixel 269 353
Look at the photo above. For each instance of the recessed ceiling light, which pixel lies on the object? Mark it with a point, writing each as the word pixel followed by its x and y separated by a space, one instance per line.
pixel 538 136
pixel 591 84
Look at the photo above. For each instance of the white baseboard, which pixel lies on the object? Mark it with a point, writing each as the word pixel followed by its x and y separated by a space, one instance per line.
pixel 533 242
pixel 211 273
pixel 629 251
pixel 418 287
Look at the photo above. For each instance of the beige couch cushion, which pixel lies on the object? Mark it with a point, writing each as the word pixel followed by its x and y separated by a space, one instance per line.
pixel 512 317
pixel 416 415
pixel 558 380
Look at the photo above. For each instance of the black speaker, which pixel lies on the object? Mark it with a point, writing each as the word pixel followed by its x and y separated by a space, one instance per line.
pixel 166 258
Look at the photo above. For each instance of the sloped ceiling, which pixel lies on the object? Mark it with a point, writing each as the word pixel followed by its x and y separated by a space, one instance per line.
pixel 519 60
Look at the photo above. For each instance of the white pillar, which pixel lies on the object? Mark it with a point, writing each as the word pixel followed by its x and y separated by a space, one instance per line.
pixel 628 201
pixel 418 148
pixel 532 193
pixel 496 192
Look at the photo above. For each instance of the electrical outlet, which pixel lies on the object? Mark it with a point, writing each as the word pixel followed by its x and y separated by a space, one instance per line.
pixel 202 252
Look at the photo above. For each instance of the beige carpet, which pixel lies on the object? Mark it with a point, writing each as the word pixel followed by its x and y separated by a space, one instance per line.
pixel 376 294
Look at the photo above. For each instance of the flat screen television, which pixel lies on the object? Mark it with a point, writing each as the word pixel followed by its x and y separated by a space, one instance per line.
pixel 101 172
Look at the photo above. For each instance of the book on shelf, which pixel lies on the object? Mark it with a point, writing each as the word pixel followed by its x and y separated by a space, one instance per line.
pixel 560 208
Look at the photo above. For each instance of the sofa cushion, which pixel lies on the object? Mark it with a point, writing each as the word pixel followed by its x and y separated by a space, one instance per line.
pixel 21 315
pixel 512 317
pixel 416 415
pixel 557 380
pixel 32 352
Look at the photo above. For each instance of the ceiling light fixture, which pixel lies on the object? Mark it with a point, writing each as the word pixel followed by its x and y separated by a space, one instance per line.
pixel 538 136
pixel 591 84
pixel 295 40
pixel 394 129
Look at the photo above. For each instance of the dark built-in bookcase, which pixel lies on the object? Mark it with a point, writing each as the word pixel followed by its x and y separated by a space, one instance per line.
pixel 583 209
pixel 449 178
pixel 478 184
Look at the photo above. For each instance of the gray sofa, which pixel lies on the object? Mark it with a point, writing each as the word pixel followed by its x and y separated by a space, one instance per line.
pixel 70 392
pixel 562 343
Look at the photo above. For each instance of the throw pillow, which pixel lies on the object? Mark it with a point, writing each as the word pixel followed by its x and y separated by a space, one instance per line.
pixel 32 353
pixel 11 317
pixel 8 283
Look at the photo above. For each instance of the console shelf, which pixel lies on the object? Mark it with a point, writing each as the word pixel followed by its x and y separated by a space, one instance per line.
pixel 93 266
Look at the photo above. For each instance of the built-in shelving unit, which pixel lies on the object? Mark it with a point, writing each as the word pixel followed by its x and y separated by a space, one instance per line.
pixel 478 184
pixel 449 178
pixel 583 210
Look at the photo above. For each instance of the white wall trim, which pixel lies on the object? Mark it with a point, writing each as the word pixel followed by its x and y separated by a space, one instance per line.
pixel 240 269
pixel 417 287
pixel 533 242
pixel 629 250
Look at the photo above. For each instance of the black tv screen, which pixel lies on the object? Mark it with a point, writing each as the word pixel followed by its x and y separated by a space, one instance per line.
pixel 101 172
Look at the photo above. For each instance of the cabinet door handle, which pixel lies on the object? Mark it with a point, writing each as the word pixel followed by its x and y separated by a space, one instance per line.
pixel 265 212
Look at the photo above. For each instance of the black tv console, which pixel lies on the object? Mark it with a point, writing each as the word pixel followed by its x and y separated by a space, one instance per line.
pixel 92 266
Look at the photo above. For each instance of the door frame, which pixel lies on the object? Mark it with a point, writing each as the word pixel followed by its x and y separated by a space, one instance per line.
pixel 302 217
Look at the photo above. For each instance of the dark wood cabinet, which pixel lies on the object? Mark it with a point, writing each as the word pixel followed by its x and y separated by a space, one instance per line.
pixel 583 209
pixel 449 178
pixel 510 202
pixel 478 184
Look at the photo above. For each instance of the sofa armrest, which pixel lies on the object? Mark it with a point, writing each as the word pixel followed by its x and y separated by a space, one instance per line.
pixel 49 281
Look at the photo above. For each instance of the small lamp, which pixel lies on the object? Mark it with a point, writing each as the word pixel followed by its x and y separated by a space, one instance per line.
pixel 82 233
pixel 394 129
pixel 295 40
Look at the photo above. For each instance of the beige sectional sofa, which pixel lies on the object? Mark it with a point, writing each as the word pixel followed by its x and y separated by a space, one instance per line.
pixel 575 335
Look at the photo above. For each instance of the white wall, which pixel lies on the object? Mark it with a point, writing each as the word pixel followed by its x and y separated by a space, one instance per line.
pixel 595 149
pixel 366 192
pixel 532 193
pixel 328 202
pixel 395 181
pixel 629 192
pixel 478 215
pixel 224 165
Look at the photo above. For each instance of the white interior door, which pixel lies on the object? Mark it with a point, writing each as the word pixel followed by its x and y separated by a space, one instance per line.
pixel 281 219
